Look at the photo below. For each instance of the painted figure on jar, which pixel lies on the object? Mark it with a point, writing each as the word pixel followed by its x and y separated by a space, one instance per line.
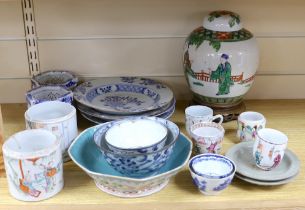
pixel 223 75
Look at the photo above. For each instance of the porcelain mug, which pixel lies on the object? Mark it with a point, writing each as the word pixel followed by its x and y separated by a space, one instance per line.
pixel 198 113
pixel 33 164
pixel 269 148
pixel 208 137
pixel 57 117
pixel 248 124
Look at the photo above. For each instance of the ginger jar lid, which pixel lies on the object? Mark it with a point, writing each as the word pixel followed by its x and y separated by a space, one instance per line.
pixel 222 20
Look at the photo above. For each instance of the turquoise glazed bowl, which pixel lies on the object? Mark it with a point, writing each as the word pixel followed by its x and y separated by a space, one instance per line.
pixel 84 152
pixel 138 164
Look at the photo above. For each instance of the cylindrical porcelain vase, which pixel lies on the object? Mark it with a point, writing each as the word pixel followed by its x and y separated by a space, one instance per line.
pixel 220 60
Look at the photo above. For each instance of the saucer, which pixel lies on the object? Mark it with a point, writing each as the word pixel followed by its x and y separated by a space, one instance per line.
pixel 241 154
pixel 265 183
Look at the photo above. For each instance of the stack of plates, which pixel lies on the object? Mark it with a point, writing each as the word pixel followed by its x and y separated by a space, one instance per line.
pixel 247 170
pixel 110 99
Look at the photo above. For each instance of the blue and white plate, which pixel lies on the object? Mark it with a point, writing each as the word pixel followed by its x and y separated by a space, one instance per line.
pixel 123 95
pixel 109 117
pixel 96 120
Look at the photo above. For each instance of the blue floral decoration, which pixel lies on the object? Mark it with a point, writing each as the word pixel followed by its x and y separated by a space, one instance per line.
pixel 121 102
pixel 128 79
pixel 151 82
pixel 201 185
pixel 223 185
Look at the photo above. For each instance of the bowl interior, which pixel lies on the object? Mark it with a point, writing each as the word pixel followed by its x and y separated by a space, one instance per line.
pixel 133 134
pixel 86 153
pixel 53 77
pixel 212 166
pixel 48 92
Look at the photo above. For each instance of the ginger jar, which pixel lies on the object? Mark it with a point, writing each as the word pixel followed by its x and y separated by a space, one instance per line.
pixel 220 60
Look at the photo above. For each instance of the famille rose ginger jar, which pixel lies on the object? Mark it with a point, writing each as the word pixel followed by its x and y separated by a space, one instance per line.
pixel 220 60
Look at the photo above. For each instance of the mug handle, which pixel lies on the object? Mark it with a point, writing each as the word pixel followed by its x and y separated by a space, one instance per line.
pixel 218 116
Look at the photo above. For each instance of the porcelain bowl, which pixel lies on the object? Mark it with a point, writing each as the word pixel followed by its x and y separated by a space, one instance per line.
pixel 136 136
pixel 211 173
pixel 84 152
pixel 55 77
pixel 138 164
pixel 48 93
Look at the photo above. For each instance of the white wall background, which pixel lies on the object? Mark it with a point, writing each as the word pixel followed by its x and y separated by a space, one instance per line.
pixel 103 38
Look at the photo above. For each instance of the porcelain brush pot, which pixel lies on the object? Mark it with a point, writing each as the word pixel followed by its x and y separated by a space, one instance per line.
pixel 220 60
pixel 33 164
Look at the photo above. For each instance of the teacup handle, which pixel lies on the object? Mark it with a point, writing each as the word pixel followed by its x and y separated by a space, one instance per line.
pixel 218 116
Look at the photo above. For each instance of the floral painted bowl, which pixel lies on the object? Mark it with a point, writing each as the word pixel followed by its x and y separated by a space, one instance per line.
pixel 60 78
pixel 138 164
pixel 211 173
pixel 48 93
pixel 87 156
pixel 136 136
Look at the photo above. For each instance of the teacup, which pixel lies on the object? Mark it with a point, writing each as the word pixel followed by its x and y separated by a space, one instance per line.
pixel 208 137
pixel 198 113
pixel 33 164
pixel 57 117
pixel 269 148
pixel 211 173
pixel 248 124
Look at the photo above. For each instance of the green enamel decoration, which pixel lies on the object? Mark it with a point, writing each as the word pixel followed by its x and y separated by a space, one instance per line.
pixel 235 19
pixel 199 35
pixel 215 45
pixel 198 83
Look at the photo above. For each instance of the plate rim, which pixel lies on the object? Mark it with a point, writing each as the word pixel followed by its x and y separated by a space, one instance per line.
pixel 294 169
pixel 165 93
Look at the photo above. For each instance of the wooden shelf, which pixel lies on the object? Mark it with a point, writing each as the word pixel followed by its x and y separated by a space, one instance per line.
pixel 80 192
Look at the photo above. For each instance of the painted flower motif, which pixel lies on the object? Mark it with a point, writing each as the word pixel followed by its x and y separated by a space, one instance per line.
pixel 103 90
pixel 201 184
pixel 82 87
pixel 151 82
pixel 223 35
pixel 128 79
pixel 121 102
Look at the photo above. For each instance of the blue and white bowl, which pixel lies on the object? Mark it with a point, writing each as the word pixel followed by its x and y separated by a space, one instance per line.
pixel 87 156
pixel 136 136
pixel 48 93
pixel 55 77
pixel 211 173
pixel 141 164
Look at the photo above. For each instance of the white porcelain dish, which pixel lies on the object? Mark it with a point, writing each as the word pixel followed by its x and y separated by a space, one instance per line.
pixel 123 95
pixel 109 117
pixel 265 183
pixel 241 154
pixel 96 120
